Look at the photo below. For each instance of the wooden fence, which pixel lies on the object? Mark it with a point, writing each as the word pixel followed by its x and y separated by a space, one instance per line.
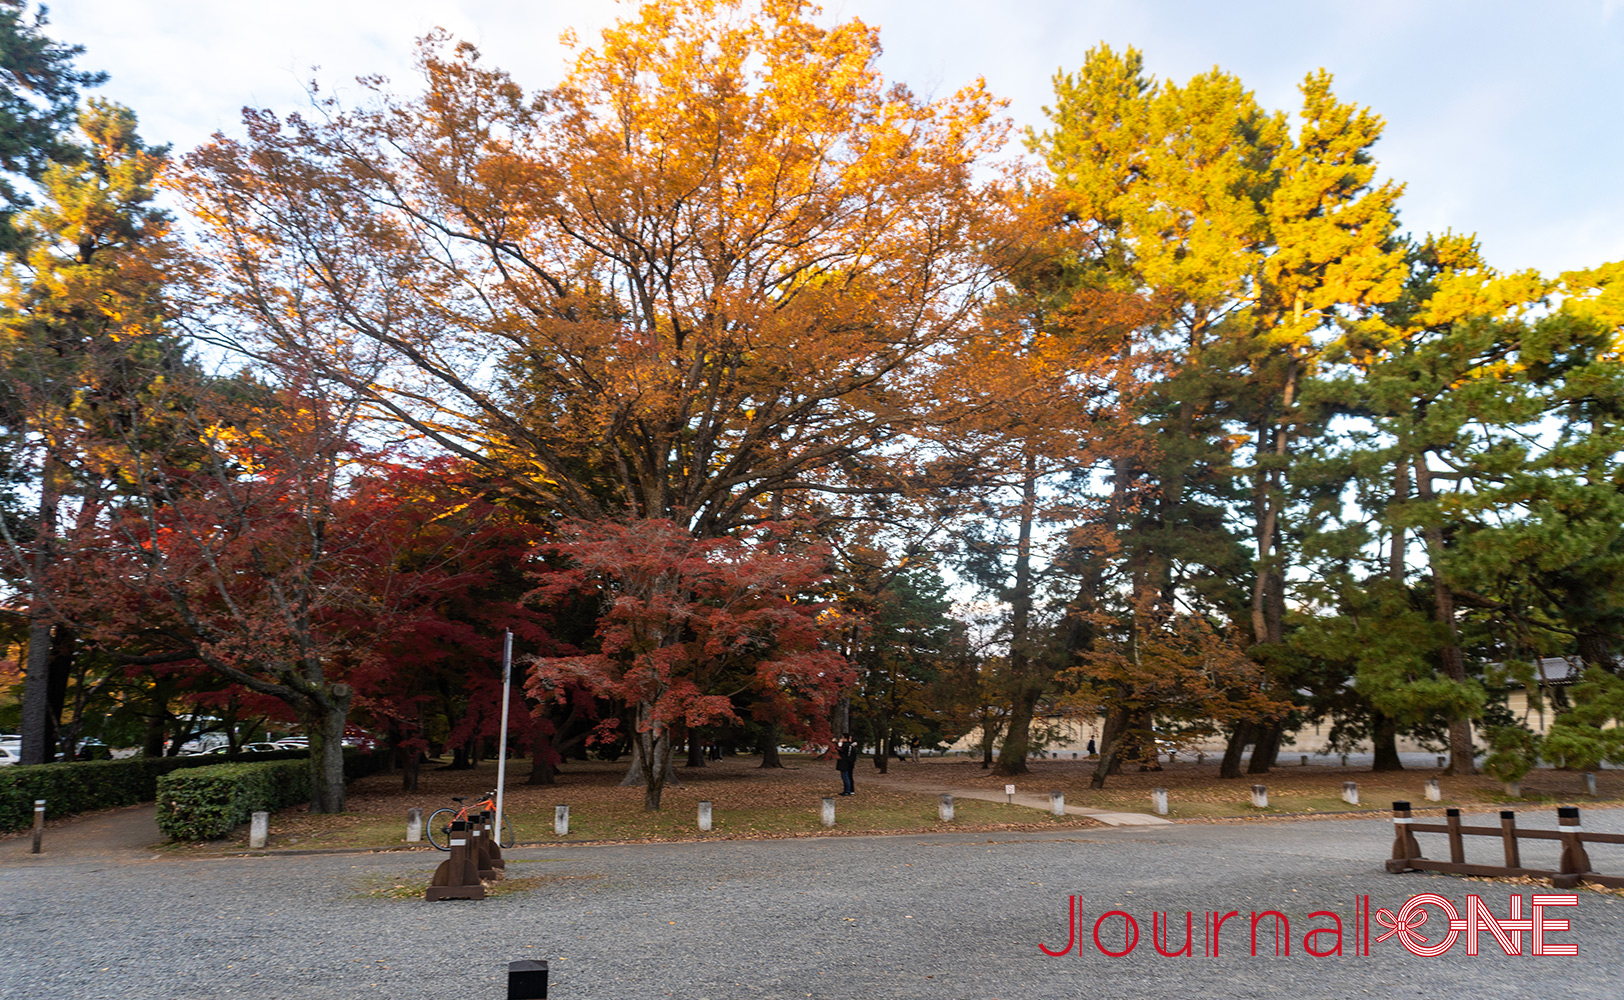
pixel 1573 868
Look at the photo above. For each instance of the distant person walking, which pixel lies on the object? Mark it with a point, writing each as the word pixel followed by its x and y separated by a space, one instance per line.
pixel 913 748
pixel 845 761
pixel 1091 746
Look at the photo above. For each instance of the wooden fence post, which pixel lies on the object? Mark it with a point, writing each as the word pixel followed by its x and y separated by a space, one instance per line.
pixel 1508 835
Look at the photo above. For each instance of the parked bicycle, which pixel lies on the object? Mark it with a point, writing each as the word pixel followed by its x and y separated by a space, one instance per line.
pixel 439 825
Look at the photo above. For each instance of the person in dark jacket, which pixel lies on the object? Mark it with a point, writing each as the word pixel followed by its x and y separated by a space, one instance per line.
pixel 845 761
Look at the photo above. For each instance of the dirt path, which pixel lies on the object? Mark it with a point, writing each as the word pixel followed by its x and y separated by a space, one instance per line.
pixel 127 834
pixel 899 779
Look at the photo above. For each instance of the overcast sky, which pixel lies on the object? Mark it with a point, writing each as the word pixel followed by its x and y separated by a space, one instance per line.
pixel 1502 118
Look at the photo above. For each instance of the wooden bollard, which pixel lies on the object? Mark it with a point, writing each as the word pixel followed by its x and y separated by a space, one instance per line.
pixel 1457 843
pixel 561 820
pixel 1158 801
pixel 828 811
pixel 944 809
pixel 479 848
pixel 457 877
pixel 1260 796
pixel 39 825
pixel 1508 838
pixel 414 825
pixel 259 830
pixel 1433 792
pixel 527 980
pixel 1350 792
pixel 1057 803
pixel 493 846
pixel 1405 849
pixel 1575 862
pixel 704 817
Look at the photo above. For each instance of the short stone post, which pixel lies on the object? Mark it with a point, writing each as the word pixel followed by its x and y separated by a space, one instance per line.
pixel 1344 760
pixel 828 810
pixel 1200 758
pixel 259 830
pixel 1433 792
pixel 704 817
pixel 414 825
pixel 39 825
pixel 1590 783
pixel 1158 800
pixel 561 820
pixel 1442 760
pixel 1350 792
pixel 1009 794
pixel 944 809
pixel 1305 761
pixel 1260 796
pixel 1057 803
pixel 1514 789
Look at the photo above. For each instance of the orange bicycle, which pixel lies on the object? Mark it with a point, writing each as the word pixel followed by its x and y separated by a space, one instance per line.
pixel 439 825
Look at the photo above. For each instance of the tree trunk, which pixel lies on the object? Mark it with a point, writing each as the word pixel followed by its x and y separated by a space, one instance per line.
pixel 1384 740
pixel 1267 747
pixel 769 746
pixel 696 751
pixel 1026 672
pixel 39 729
pixel 1245 732
pixel 1116 723
pixel 1453 661
pixel 324 719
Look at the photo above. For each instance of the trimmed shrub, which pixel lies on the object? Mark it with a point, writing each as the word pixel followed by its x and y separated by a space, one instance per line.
pixel 84 785
pixel 209 802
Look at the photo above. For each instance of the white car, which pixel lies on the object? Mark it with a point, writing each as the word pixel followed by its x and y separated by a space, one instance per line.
pixel 10 753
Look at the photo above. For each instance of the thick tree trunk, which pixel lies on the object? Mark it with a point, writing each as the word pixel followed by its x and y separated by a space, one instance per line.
pixel 1030 681
pixel 1267 748
pixel 1452 659
pixel 1116 723
pixel 769 746
pixel 1245 732
pixel 324 718
pixel 1384 740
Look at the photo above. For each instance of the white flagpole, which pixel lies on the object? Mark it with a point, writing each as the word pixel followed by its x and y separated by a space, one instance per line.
pixel 501 742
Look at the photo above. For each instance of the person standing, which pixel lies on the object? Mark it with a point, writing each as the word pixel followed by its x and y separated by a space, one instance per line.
pixel 913 748
pixel 845 761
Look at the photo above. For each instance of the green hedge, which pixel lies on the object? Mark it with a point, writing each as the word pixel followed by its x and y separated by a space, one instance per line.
pixel 207 803
pixel 210 802
pixel 84 785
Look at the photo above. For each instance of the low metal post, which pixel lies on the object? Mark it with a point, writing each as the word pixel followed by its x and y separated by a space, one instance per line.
pixel 1158 800
pixel 828 811
pixel 259 830
pixel 1260 796
pixel 527 981
pixel 944 809
pixel 1350 792
pixel 561 820
pixel 39 825
pixel 704 817
pixel 1057 803
pixel 1434 793
pixel 414 825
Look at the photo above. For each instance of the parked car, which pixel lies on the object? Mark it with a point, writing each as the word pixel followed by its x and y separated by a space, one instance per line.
pixel 261 748
pixel 10 753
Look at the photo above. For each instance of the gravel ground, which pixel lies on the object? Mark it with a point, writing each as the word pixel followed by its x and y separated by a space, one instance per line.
pixel 955 916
